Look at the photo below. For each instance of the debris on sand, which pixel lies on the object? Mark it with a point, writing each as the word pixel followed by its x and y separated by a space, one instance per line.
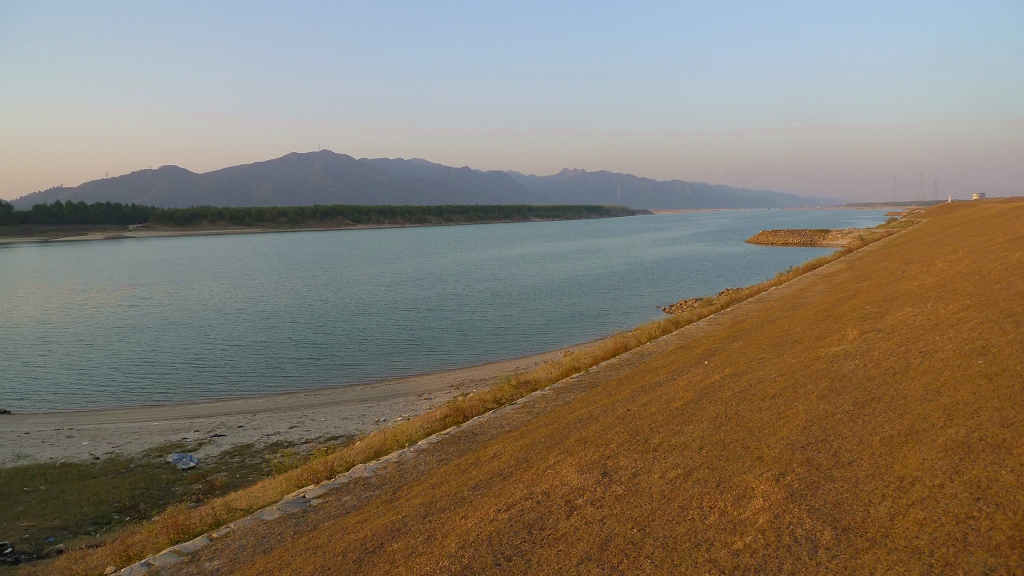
pixel 183 461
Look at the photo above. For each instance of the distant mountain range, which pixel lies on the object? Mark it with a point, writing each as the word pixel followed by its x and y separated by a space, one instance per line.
pixel 325 177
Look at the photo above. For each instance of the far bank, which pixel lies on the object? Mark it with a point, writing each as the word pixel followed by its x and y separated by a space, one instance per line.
pixel 108 221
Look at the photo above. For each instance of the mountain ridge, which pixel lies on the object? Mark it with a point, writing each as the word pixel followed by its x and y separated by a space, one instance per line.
pixel 326 177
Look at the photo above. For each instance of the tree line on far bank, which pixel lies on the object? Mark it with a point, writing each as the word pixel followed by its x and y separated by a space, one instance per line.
pixel 71 213
pixel 114 213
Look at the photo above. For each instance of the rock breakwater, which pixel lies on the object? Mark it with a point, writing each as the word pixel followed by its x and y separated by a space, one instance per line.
pixel 807 237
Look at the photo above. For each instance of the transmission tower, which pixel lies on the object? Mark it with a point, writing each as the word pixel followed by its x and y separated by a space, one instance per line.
pixel 935 190
pixel 894 188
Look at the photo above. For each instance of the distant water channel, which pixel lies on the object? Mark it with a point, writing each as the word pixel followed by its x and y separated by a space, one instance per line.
pixel 155 320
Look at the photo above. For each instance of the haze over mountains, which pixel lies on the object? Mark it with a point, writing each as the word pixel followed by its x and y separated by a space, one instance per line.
pixel 325 177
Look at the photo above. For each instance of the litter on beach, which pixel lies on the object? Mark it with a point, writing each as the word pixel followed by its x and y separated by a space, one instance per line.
pixel 183 461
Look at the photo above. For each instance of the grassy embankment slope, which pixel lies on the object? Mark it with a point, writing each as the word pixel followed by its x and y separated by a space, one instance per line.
pixel 862 419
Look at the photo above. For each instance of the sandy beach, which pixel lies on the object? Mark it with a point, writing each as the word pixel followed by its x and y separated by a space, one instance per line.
pixel 220 424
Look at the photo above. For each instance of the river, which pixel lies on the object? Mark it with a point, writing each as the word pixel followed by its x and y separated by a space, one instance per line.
pixel 155 320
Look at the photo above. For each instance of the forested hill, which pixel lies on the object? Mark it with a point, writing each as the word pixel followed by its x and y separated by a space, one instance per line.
pixel 325 177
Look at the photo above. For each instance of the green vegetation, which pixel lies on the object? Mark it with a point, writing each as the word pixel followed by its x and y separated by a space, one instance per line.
pixel 6 214
pixel 82 503
pixel 346 214
pixel 77 213
pixel 114 213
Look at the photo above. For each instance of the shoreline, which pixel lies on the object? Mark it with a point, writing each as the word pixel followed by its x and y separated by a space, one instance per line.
pixel 315 415
pixel 121 233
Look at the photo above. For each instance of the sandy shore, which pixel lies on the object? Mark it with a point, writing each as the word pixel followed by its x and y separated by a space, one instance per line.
pixel 154 231
pixel 121 234
pixel 292 416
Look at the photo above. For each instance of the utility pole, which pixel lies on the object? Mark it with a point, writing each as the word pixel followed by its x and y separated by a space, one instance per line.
pixel 935 190
pixel 920 188
pixel 893 188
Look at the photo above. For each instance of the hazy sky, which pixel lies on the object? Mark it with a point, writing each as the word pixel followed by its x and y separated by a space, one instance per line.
pixel 823 98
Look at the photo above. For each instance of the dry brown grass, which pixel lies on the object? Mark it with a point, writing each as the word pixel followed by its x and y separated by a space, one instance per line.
pixel 182 523
pixel 863 420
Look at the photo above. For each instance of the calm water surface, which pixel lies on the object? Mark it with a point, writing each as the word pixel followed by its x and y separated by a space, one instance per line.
pixel 142 321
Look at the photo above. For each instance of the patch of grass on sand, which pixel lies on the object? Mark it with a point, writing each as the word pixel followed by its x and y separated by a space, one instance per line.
pixel 80 504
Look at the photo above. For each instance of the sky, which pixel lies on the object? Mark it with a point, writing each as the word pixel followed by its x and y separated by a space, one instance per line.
pixel 816 98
